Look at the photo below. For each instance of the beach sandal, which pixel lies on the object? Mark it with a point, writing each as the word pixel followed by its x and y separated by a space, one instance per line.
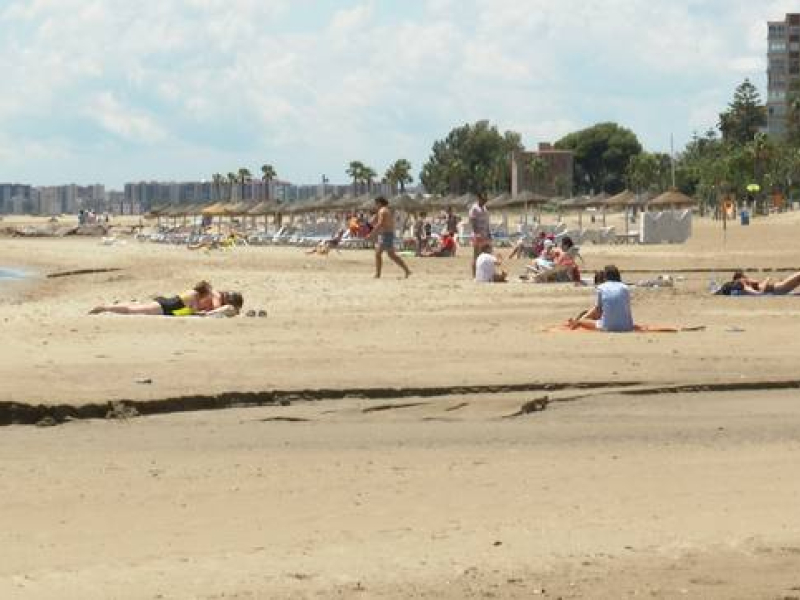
pixel 262 313
pixel 250 313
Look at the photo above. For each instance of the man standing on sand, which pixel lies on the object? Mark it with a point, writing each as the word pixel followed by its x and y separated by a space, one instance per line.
pixel 383 230
pixel 481 229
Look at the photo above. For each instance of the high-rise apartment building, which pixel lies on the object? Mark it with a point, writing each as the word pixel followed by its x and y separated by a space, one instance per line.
pixel 783 55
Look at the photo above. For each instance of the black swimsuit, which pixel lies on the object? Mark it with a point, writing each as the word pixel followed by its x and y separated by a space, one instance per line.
pixel 170 305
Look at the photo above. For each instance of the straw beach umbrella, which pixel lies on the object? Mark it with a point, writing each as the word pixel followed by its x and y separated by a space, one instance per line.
pixel 672 199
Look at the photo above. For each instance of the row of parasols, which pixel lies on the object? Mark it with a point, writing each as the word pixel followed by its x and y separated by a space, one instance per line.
pixel 419 203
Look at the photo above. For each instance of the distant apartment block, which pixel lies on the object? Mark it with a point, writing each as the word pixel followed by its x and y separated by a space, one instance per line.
pixel 69 199
pixel 783 55
pixel 17 198
pixel 50 200
pixel 150 194
pixel 555 179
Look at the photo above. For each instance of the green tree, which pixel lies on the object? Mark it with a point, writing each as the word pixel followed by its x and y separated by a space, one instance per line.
pixel 243 176
pixel 538 169
pixel 368 175
pixel 268 173
pixel 472 158
pixel 602 153
pixel 745 116
pixel 355 170
pixel 642 172
pixel 399 174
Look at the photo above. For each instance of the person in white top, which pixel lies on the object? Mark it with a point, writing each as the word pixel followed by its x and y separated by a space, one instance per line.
pixel 481 229
pixel 486 267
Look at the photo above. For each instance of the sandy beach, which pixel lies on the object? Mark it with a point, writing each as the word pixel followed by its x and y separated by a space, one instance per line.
pixel 403 462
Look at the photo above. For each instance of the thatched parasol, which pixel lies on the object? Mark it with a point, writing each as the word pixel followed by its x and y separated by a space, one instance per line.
pixel 624 199
pixel 671 199
pixel 215 210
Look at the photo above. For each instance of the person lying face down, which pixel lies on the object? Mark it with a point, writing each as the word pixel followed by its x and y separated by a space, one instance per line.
pixel 202 300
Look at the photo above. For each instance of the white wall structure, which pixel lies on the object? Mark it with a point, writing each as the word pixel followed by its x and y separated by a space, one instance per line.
pixel 665 227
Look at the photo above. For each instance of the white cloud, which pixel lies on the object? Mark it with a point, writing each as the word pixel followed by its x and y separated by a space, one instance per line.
pixel 233 81
pixel 125 122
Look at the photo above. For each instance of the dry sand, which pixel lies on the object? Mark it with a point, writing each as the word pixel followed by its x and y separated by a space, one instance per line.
pixel 607 495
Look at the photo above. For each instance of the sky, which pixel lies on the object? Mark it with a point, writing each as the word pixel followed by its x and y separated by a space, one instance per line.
pixel 111 91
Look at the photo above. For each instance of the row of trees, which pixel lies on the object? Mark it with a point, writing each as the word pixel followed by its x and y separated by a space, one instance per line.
pixel 223 185
pixel 398 175
pixel 609 157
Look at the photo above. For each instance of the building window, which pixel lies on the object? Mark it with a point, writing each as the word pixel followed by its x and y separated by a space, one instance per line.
pixel 777 46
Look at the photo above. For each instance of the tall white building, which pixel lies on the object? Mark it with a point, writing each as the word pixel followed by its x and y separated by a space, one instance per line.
pixel 783 55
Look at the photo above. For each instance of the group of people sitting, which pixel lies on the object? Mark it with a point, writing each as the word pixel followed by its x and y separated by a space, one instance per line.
pixel 556 263
pixel 425 242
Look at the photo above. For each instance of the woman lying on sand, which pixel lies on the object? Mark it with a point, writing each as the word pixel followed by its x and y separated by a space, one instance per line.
pixel 612 311
pixel 202 301
pixel 742 285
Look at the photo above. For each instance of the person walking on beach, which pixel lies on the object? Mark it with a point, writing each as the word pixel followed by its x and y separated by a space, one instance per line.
pixel 419 233
pixel 481 230
pixel 451 222
pixel 383 231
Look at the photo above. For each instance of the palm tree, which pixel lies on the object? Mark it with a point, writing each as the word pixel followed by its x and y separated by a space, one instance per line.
pixel 355 170
pixel 232 179
pixel 217 178
pixel 243 176
pixel 267 175
pixel 399 173
pixel 367 177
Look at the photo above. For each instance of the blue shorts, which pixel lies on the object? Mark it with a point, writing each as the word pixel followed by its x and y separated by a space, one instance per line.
pixel 387 240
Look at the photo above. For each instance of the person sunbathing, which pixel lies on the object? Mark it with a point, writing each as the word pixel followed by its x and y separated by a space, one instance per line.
pixel 559 265
pixel 546 260
pixel 202 300
pixel 612 311
pixel 742 285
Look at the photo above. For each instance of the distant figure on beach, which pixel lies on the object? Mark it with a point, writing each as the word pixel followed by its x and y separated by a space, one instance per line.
pixel 383 232
pixel 446 249
pixel 481 228
pixel 451 222
pixel 325 246
pixel 202 300
pixel 419 234
pixel 742 285
pixel 487 267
